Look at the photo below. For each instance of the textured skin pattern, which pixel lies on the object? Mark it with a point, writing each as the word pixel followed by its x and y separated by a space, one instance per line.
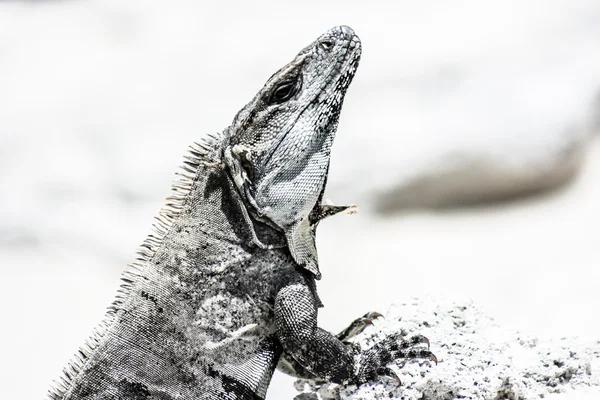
pixel 224 289
pixel 198 323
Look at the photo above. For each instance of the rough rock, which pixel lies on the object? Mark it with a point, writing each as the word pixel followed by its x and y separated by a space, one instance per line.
pixel 478 359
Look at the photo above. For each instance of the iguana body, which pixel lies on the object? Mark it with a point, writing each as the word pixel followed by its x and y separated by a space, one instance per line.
pixel 224 290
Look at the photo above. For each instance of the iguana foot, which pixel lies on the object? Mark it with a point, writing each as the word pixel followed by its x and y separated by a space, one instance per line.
pixel 393 373
pixel 395 347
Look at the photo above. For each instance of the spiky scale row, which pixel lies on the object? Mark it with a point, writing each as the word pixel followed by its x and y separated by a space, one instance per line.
pixel 76 364
pixel 199 153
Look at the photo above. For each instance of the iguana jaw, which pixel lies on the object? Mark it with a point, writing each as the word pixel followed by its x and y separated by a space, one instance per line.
pixel 279 145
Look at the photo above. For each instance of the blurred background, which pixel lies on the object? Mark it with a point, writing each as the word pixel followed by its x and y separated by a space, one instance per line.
pixel 467 139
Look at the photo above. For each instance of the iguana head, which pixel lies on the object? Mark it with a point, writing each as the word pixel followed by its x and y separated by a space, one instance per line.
pixel 277 149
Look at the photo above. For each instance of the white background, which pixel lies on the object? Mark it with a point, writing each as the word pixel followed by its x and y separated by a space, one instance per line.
pixel 99 100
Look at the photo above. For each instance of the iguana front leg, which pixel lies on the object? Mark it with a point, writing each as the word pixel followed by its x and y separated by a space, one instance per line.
pixel 290 366
pixel 325 356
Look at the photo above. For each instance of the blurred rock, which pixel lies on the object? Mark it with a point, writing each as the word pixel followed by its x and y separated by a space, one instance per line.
pixel 472 180
pixel 477 359
pixel 484 176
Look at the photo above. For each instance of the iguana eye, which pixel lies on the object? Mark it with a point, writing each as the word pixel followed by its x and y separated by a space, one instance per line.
pixel 326 44
pixel 284 91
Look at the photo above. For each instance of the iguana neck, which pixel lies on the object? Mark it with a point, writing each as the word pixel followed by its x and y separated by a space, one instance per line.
pixel 211 215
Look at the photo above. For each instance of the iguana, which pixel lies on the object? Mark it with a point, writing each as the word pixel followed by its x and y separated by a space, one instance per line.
pixel 223 290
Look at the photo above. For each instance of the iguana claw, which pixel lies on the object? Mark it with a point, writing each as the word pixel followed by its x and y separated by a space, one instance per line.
pixel 433 358
pixel 426 341
pixel 358 325
pixel 389 372
pixel 370 316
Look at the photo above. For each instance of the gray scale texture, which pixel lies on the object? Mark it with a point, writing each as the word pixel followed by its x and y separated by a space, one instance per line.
pixel 224 289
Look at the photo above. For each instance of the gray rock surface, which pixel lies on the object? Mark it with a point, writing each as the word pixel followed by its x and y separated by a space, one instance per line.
pixel 478 359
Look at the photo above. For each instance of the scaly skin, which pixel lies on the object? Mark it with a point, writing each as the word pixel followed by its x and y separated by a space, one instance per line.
pixel 225 287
